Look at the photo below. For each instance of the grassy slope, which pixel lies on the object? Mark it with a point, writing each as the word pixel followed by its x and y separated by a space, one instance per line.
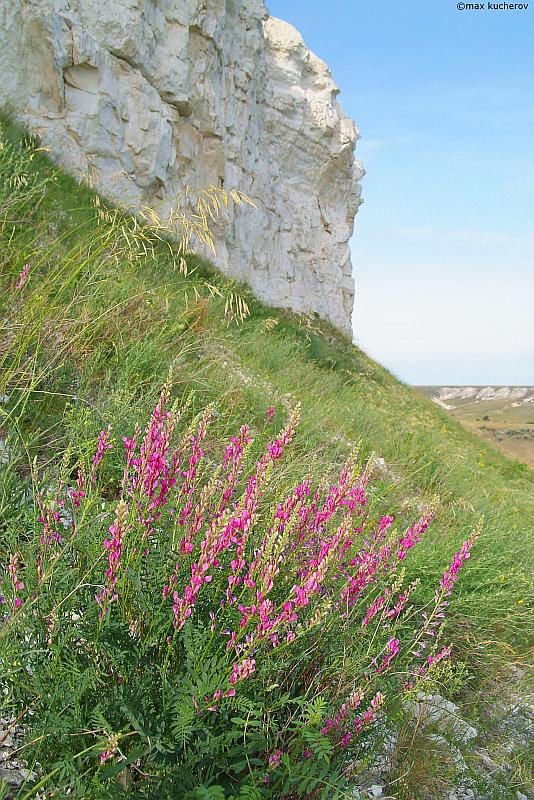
pixel 142 318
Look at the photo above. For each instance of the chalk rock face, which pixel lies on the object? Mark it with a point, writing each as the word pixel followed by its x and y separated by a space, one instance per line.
pixel 146 97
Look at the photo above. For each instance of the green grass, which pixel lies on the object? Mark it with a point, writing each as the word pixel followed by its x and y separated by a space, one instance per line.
pixel 122 320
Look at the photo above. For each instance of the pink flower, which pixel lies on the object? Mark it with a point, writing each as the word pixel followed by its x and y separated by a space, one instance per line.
pixel 115 547
pixel 23 276
pixel 301 598
pixel 373 609
pixel 377 701
pixel 413 536
pixel 270 413
pixel 103 444
pixel 243 670
pixel 385 523
pixel 343 722
pixel 444 653
pixel 274 758
pixel 370 713
pixel 111 750
pixel 450 576
pixel 17 584
pixel 233 464
pixel 392 650
pixel 356 698
pixel 77 494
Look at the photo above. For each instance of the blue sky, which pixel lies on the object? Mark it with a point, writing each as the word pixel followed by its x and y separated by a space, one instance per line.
pixel 443 250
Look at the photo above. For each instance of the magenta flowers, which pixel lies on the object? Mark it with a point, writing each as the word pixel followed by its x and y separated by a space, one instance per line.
pixel 260 566
pixel 450 575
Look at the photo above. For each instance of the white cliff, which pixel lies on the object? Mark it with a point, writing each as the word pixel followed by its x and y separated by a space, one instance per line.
pixel 145 97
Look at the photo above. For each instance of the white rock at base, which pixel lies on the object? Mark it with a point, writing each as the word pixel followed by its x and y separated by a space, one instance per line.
pixel 435 709
pixel 375 790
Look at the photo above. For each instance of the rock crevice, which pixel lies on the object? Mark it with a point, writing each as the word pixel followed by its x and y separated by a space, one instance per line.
pixel 145 98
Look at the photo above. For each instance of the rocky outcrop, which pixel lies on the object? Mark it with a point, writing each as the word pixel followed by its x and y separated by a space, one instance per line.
pixel 145 97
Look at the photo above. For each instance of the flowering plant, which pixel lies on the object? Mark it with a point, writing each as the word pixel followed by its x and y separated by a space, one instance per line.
pixel 211 625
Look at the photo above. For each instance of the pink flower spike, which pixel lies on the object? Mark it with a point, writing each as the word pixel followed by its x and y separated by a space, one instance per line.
pixel 392 650
pixel 18 585
pixel 243 670
pixel 23 276
pixel 103 444
pixel 114 547
pixel 450 576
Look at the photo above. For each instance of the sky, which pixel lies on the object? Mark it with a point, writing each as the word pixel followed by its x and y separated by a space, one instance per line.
pixel 443 248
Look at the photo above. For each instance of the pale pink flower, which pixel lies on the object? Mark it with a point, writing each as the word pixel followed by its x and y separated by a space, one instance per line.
pixel 103 444
pixel 243 670
pixel 114 547
pixel 23 276
pixel 391 651
pixel 18 585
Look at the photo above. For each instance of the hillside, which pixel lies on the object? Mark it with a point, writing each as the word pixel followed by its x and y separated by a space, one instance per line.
pixel 142 318
pixel 501 415
pixel 122 313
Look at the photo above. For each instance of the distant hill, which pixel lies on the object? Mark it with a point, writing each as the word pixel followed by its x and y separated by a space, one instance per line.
pixel 502 415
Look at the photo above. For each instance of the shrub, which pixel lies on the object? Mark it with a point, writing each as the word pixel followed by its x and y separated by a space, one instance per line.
pixel 182 623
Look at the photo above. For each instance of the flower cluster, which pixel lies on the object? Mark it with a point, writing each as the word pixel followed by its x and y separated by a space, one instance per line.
pixel 391 651
pixel 450 575
pixel 380 557
pixel 114 547
pixel 111 748
pixel 258 583
pixel 427 641
pixel 18 585
pixel 78 493
pixel 346 724
pixel 23 276
pixel 230 532
pixel 50 518
pixel 104 443
pixel 242 670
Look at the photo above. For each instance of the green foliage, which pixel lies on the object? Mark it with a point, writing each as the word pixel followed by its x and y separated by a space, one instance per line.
pixel 107 311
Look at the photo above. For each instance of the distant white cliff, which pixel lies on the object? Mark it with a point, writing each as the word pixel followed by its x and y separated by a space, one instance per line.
pixel 146 97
